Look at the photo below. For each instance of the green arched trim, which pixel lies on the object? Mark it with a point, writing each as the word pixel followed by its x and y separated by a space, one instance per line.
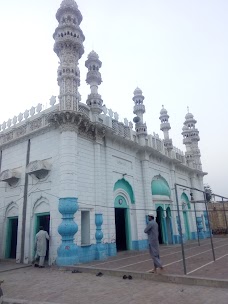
pixel 186 200
pixel 123 184
pixel 159 186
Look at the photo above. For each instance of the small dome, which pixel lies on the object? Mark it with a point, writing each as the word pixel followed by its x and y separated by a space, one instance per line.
pixel 93 55
pixel 163 111
pixel 185 128
pixel 189 116
pixel 137 91
pixel 70 3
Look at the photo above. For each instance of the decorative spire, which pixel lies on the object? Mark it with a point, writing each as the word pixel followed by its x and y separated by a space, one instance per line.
pixel 191 139
pixel 69 48
pixel 165 127
pixel 139 110
pixel 93 78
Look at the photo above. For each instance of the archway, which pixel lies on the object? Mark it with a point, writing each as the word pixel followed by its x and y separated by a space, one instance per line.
pixel 159 220
pixel 122 224
pixel 185 207
pixel 11 216
pixel 169 226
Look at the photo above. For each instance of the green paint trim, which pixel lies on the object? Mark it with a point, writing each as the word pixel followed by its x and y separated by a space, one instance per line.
pixel 120 202
pixel 159 186
pixel 186 225
pixel 184 197
pixel 123 184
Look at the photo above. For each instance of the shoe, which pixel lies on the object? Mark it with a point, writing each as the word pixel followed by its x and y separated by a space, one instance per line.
pixel 36 265
pixel 130 277
pixel 99 274
pixel 125 277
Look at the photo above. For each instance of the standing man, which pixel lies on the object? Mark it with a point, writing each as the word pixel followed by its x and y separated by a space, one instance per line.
pixel 152 231
pixel 41 246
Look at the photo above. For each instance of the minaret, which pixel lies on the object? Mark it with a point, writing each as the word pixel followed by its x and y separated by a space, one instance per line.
pixel 191 139
pixel 93 78
pixel 139 110
pixel 69 48
pixel 165 127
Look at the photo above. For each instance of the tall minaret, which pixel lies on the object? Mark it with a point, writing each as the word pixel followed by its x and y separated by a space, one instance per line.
pixel 69 48
pixel 93 78
pixel 191 139
pixel 139 110
pixel 165 127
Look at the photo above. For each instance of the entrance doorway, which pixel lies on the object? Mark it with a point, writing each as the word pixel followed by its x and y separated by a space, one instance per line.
pixel 159 220
pixel 11 239
pixel 43 219
pixel 169 226
pixel 120 223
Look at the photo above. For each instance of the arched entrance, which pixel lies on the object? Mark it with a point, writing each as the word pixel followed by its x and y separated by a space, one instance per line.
pixel 185 207
pixel 159 220
pixel 122 224
pixel 169 226
pixel 11 216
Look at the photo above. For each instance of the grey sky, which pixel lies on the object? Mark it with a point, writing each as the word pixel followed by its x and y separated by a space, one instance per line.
pixel 174 50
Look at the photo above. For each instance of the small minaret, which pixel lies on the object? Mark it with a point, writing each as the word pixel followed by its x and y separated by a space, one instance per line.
pixel 69 48
pixel 93 78
pixel 139 110
pixel 165 127
pixel 191 139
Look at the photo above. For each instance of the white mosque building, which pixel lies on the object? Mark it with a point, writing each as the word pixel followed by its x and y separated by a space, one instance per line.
pixel 87 177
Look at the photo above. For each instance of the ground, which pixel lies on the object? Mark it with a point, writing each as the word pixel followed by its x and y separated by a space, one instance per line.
pixel 56 286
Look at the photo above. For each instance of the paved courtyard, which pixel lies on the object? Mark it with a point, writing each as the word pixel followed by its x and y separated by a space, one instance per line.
pixel 51 285
pixel 27 284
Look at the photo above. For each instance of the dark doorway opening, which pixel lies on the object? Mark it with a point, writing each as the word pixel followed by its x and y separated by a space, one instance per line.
pixel 44 221
pixel 159 221
pixel 121 242
pixel 11 247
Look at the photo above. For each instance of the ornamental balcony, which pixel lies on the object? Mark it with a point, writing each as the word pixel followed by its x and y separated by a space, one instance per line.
pixel 10 176
pixel 38 168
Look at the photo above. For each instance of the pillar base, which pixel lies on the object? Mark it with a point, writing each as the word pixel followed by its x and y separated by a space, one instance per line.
pixel 100 252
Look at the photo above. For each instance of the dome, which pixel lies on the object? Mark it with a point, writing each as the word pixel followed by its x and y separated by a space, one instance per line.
pixel 163 111
pixel 93 55
pixel 70 3
pixel 137 91
pixel 160 187
pixel 189 116
pixel 185 128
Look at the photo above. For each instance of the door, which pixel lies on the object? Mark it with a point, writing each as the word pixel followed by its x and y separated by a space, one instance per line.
pixel 159 220
pixel 43 219
pixel 187 233
pixel 120 223
pixel 11 238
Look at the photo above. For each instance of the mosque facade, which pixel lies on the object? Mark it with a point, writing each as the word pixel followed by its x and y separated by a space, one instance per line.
pixel 87 177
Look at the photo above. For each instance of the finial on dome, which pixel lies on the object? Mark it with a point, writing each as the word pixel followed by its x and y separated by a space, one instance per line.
pixel 188 109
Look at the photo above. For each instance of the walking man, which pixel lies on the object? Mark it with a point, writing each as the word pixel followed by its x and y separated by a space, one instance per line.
pixel 152 231
pixel 41 246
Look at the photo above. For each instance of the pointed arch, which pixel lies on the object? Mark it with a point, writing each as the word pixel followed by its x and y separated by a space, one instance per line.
pixel 159 186
pixel 41 205
pixel 126 187
pixel 11 210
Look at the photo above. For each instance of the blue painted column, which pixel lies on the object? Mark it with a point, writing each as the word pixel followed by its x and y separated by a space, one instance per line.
pixel 206 224
pixel 68 251
pixel 100 248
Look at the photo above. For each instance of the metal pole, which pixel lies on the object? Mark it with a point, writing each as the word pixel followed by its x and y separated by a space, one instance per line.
pixel 181 238
pixel 209 225
pixel 225 216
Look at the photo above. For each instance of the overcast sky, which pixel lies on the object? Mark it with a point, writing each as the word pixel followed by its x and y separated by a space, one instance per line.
pixel 174 50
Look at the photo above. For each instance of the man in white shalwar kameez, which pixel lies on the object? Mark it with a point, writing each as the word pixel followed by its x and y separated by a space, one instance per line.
pixel 152 231
pixel 41 246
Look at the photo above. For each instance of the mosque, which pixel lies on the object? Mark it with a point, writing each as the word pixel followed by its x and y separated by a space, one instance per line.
pixel 87 177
